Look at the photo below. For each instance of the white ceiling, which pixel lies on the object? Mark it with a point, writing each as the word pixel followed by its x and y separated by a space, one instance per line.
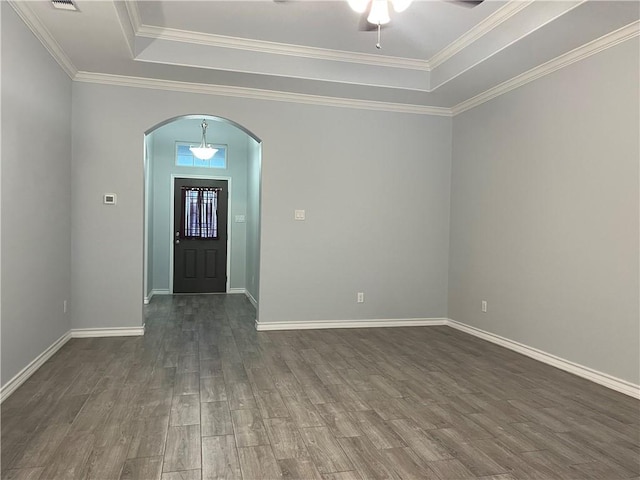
pixel 437 54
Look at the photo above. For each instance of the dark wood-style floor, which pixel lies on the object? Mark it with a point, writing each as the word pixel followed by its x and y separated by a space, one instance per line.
pixel 203 395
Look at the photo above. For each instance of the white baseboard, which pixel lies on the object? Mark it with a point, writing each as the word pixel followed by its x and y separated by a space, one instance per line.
pixel 321 324
pixel 245 292
pixel 595 376
pixel 156 291
pixel 22 376
pixel 251 299
pixel 107 332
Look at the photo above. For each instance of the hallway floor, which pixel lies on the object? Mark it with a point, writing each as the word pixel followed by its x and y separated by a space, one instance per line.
pixel 203 395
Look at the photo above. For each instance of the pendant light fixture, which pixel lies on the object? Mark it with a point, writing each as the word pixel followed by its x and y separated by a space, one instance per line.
pixel 203 151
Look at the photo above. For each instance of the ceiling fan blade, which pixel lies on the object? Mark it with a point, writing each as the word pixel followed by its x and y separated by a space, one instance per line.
pixel 466 3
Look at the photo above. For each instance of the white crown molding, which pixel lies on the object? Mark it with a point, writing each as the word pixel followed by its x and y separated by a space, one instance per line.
pixel 596 46
pixel 22 376
pixel 42 33
pixel 595 376
pixel 258 94
pixel 125 19
pixel 261 46
pixel 504 47
pixel 107 332
pixel 134 14
pixel 372 323
pixel 500 16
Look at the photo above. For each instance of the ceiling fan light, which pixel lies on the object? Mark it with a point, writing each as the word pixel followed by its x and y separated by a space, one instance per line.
pixel 379 14
pixel 400 5
pixel 203 153
pixel 358 5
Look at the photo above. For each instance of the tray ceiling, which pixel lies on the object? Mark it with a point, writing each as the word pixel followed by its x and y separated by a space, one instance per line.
pixel 436 54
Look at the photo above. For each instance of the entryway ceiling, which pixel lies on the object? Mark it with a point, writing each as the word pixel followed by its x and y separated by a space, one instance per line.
pixel 435 54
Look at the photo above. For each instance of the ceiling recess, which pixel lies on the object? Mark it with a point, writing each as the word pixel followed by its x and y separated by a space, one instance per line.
pixel 65 5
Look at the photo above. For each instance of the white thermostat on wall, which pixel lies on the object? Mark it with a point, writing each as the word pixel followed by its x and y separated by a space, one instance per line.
pixel 110 198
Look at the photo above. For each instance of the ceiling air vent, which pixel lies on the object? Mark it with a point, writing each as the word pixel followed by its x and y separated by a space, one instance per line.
pixel 65 5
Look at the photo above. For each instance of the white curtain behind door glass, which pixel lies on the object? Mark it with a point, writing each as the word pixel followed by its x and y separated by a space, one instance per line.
pixel 200 212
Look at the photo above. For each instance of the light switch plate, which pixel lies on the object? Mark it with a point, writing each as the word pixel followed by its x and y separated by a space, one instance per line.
pixel 298 214
pixel 110 199
pixel 240 219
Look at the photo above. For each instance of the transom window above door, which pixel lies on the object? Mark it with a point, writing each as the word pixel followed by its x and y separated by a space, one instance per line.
pixel 184 157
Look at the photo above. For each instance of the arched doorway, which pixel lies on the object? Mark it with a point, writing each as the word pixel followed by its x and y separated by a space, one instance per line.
pixel 166 160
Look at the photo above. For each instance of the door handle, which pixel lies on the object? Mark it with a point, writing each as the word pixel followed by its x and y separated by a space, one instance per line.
pixel 177 238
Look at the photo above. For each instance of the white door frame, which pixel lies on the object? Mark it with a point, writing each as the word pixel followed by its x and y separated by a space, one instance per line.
pixel 172 219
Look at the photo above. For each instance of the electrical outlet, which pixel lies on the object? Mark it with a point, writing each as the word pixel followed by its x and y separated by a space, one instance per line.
pixel 360 297
pixel 484 306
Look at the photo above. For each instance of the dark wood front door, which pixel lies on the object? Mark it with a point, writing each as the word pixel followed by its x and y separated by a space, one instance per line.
pixel 200 236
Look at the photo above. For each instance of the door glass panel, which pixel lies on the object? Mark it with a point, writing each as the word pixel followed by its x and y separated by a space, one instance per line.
pixel 199 212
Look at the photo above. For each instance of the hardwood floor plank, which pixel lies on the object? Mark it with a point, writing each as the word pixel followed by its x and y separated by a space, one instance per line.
pixel 148 437
pixel 270 404
pixel 325 450
pixel 353 475
pixel 304 413
pixel 377 431
pixel 451 468
pixel 472 457
pixel 220 458
pixel 184 475
pixel 210 367
pixel 187 384
pixel 299 468
pixel 213 389
pixel 423 444
pixel 185 410
pixel 348 397
pixel 107 462
pixel 406 465
pixel 366 458
pixel 340 421
pixel 65 410
pixel 188 363
pixel 41 446
pixel 183 448
pixel 162 378
pixel 148 468
pixel 285 438
pixel 240 396
pixel 215 419
pixel 248 427
pixel 23 474
pixel 258 462
pixel 68 462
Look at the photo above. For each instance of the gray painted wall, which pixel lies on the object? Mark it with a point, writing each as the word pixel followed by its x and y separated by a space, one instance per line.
pixel 375 186
pixel 163 160
pixel 544 215
pixel 36 200
pixel 252 276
